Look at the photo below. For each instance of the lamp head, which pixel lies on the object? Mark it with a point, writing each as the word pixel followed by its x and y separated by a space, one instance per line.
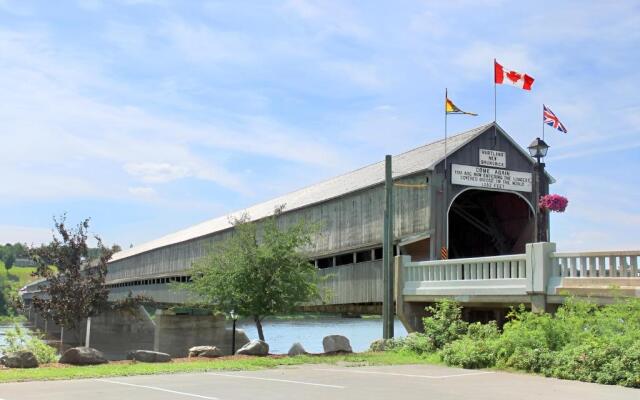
pixel 538 148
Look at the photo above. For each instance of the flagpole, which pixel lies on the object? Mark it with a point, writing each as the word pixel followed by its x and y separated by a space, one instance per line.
pixel 446 97
pixel 495 93
pixel 446 180
pixel 543 121
pixel 495 106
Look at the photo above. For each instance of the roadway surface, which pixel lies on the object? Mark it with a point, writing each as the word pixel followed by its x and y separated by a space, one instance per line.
pixel 321 382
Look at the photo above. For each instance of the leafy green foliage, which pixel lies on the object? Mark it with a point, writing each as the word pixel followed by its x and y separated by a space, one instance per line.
pixel 581 341
pixel 259 271
pixel 17 339
pixel 9 252
pixel 445 324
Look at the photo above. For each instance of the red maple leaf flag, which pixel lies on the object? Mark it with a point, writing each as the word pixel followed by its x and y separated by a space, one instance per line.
pixel 504 76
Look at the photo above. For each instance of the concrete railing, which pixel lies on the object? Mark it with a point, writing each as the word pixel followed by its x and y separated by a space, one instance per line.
pixel 499 267
pixel 611 264
pixel 541 271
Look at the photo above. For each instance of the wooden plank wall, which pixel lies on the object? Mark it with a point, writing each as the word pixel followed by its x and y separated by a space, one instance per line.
pixel 346 223
pixel 353 283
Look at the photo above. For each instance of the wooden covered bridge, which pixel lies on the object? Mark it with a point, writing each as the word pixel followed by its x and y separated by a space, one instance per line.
pixel 480 208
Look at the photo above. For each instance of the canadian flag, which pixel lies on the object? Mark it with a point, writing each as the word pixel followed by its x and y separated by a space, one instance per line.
pixel 504 76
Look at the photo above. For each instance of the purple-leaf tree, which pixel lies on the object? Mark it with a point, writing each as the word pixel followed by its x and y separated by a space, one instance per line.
pixel 74 288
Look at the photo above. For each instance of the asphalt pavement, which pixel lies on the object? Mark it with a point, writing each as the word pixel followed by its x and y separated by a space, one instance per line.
pixel 321 382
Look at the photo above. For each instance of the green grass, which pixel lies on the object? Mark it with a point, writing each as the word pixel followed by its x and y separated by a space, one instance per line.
pixel 11 319
pixel 18 276
pixel 241 364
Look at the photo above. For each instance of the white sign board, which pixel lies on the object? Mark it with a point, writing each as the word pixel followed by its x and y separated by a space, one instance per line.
pixel 490 178
pixel 493 158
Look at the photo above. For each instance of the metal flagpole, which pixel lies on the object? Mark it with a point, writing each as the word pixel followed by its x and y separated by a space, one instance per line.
pixel 543 122
pixel 446 98
pixel 495 105
pixel 446 180
pixel 495 91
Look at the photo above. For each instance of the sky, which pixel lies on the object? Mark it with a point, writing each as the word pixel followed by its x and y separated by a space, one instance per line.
pixel 149 116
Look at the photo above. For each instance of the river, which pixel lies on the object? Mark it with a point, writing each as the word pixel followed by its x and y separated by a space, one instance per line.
pixel 282 333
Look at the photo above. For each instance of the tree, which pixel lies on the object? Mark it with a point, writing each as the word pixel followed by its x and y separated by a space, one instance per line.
pixel 9 260
pixel 259 271
pixel 75 289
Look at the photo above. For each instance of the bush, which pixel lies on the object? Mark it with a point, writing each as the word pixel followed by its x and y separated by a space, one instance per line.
pixel 445 323
pixel 469 353
pixel 17 339
pixel 581 341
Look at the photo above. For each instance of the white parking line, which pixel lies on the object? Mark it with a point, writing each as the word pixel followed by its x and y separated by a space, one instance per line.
pixel 157 388
pixel 277 380
pixel 398 374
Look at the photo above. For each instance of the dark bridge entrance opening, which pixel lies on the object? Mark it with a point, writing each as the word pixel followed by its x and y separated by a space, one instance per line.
pixel 487 223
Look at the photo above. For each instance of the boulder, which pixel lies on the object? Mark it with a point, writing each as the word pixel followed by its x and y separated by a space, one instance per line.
pixel 20 359
pixel 297 349
pixel 378 345
pixel 205 351
pixel 149 356
pixel 254 348
pixel 336 344
pixel 241 339
pixel 83 356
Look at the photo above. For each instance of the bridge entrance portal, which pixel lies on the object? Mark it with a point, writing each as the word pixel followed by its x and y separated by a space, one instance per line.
pixel 488 223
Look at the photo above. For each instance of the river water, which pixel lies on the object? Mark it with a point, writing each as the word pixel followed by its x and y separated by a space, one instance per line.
pixel 281 334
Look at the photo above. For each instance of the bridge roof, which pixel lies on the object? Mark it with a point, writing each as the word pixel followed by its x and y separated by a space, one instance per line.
pixel 422 158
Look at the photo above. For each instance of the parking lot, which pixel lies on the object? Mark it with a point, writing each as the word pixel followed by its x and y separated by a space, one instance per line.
pixel 321 382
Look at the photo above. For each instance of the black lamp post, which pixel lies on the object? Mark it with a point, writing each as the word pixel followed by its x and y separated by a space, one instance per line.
pixel 234 318
pixel 538 150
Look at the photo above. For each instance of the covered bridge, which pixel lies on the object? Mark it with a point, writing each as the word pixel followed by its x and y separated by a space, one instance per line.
pixel 483 207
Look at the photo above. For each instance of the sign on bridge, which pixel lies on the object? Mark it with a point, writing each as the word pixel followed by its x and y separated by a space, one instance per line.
pixel 490 178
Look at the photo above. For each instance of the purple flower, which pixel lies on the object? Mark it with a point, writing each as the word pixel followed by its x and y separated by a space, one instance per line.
pixel 553 202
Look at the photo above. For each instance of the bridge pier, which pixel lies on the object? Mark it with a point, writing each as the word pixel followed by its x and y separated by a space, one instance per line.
pixel 175 333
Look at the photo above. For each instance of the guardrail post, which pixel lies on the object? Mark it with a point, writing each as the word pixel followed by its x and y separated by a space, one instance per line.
pixel 539 267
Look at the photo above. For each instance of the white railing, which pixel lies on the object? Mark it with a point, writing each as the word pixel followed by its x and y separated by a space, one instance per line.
pixel 609 264
pixel 481 268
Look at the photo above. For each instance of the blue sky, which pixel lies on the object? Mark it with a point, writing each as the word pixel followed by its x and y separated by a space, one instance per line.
pixel 149 116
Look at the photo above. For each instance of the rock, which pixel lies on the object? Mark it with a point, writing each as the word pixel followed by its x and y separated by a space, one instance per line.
pixel 149 356
pixel 378 345
pixel 336 344
pixel 241 339
pixel 205 351
pixel 20 359
pixel 296 350
pixel 83 356
pixel 254 348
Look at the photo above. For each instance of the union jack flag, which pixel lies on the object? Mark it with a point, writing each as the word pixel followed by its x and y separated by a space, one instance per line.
pixel 551 119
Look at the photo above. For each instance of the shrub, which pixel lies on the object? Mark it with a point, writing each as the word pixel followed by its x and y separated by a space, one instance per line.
pixel 469 353
pixel 418 343
pixel 445 324
pixel 17 339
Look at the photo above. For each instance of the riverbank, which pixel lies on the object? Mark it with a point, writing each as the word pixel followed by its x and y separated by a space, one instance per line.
pixel 57 371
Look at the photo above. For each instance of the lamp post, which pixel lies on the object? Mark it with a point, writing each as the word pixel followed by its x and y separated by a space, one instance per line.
pixel 234 318
pixel 538 150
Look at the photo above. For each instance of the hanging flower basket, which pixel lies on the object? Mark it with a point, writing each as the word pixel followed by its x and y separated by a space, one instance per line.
pixel 553 202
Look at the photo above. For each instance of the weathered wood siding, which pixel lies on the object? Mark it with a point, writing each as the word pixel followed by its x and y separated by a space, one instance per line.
pixel 353 283
pixel 346 223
